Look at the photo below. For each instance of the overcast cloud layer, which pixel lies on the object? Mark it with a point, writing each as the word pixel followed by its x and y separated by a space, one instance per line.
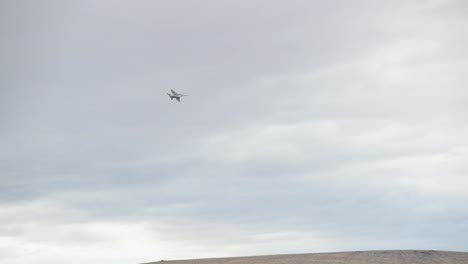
pixel 311 126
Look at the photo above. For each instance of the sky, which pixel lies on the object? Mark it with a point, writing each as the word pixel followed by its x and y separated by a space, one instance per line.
pixel 310 126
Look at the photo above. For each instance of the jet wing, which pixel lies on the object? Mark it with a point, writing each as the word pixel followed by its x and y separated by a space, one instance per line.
pixel 178 99
pixel 174 93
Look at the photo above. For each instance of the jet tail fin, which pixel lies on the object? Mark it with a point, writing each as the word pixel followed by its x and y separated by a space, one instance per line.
pixel 171 96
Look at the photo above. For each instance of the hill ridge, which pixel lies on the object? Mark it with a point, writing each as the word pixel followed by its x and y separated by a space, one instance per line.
pixel 409 256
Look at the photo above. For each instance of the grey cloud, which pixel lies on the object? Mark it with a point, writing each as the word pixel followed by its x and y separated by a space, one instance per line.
pixel 335 126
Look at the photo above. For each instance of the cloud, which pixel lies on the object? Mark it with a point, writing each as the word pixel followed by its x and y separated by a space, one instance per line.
pixel 309 127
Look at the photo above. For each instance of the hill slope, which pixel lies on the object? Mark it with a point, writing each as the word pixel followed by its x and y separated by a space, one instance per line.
pixel 356 257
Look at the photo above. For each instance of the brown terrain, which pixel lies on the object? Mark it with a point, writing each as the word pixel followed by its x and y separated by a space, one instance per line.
pixel 356 257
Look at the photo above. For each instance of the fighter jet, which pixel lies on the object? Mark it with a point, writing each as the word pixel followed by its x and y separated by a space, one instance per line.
pixel 176 95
